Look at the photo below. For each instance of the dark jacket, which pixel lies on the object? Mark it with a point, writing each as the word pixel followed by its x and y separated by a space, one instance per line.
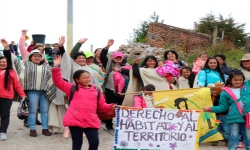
pixel 48 50
pixel 226 69
pixel 13 49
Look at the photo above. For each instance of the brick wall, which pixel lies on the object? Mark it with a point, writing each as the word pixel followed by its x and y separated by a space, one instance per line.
pixel 160 34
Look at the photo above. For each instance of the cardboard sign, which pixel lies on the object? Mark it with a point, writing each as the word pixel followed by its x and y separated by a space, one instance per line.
pixel 153 128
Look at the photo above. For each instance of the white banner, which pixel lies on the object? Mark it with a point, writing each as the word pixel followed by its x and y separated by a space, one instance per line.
pixel 154 128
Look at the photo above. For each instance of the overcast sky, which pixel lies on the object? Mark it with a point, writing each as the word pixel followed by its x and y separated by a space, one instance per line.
pixel 100 20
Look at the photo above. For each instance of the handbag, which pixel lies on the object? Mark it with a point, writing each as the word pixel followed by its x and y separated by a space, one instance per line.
pixel 22 109
pixel 248 120
pixel 101 115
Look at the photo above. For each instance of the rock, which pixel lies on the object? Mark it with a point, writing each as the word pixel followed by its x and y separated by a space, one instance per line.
pixel 135 50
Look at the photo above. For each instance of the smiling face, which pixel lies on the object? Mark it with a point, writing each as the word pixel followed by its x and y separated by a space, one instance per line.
pixel 3 63
pixel 89 60
pixel 36 58
pixel 212 64
pixel 171 56
pixel 98 52
pixel 84 79
pixel 237 81
pixel 41 49
pixel 185 73
pixel 80 60
pixel 151 63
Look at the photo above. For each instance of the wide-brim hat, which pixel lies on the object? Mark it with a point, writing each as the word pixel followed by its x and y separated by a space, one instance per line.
pixel 35 51
pixel 245 57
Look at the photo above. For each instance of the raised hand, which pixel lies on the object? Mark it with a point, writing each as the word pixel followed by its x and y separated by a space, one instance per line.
pixel 5 44
pixel 57 60
pixel 61 41
pixel 82 40
pixel 137 60
pixel 110 43
pixel 24 32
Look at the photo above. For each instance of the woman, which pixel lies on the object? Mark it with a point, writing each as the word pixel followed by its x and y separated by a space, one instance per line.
pixel 142 76
pixel 187 78
pixel 211 73
pixel 208 77
pixel 112 65
pixel 97 59
pixel 223 65
pixel 99 73
pixel 245 66
pixel 31 46
pixel 173 56
pixel 8 85
pixel 36 80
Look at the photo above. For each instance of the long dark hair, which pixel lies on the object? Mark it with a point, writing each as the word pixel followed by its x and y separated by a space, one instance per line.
pixel 191 78
pixel 235 72
pixel 217 68
pixel 144 63
pixel 77 75
pixel 7 77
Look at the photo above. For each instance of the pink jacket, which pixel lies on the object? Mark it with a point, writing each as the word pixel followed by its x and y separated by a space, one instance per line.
pixel 168 68
pixel 83 107
pixel 196 69
pixel 139 102
pixel 14 85
pixel 119 81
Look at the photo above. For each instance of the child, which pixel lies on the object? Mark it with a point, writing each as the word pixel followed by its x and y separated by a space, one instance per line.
pixel 121 80
pixel 235 99
pixel 81 115
pixel 168 70
pixel 200 62
pixel 187 78
pixel 145 100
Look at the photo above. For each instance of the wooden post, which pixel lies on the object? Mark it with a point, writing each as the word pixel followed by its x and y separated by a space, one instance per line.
pixel 215 36
pixel 222 36
pixel 69 25
pixel 247 47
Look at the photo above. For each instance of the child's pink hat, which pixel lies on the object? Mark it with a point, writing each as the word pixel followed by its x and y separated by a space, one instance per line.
pixel 118 54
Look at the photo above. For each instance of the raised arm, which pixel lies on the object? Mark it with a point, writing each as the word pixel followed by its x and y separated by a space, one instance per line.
pixel 57 77
pixel 103 56
pixel 77 47
pixel 61 43
pixel 135 68
pixel 21 45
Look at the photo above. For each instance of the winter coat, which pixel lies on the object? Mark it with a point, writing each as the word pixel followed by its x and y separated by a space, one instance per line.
pixel 145 101
pixel 196 69
pixel 168 68
pixel 226 69
pixel 83 106
pixel 227 103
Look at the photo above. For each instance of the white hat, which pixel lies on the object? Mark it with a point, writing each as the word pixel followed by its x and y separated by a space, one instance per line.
pixel 35 51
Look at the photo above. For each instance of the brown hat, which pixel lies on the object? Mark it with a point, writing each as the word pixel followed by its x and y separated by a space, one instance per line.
pixel 245 57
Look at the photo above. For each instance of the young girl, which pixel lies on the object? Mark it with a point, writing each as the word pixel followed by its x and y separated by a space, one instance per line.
pixel 168 70
pixel 145 100
pixel 200 62
pixel 187 78
pixel 235 98
pixel 81 115
pixel 8 84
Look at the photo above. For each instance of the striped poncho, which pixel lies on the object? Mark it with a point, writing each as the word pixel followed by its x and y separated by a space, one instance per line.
pixel 34 77
pixel 100 75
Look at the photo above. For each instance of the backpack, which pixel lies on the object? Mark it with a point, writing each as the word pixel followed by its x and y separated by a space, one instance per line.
pixel 101 115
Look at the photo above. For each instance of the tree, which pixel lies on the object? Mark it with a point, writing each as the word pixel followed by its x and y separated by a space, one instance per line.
pixel 233 32
pixel 139 34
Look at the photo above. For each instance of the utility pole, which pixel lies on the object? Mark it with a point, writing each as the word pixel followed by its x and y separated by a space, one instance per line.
pixel 215 36
pixel 91 48
pixel 69 25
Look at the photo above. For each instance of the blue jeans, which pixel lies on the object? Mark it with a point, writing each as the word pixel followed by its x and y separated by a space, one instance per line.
pixel 235 133
pixel 36 97
pixel 223 127
pixel 77 138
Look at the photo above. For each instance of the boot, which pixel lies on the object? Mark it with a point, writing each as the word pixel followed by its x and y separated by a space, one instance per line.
pixel 25 122
pixel 33 133
pixel 46 132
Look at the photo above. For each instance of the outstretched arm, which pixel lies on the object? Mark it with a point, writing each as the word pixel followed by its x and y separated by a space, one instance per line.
pixel 21 45
pixel 77 47
pixel 103 56
pixel 61 43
